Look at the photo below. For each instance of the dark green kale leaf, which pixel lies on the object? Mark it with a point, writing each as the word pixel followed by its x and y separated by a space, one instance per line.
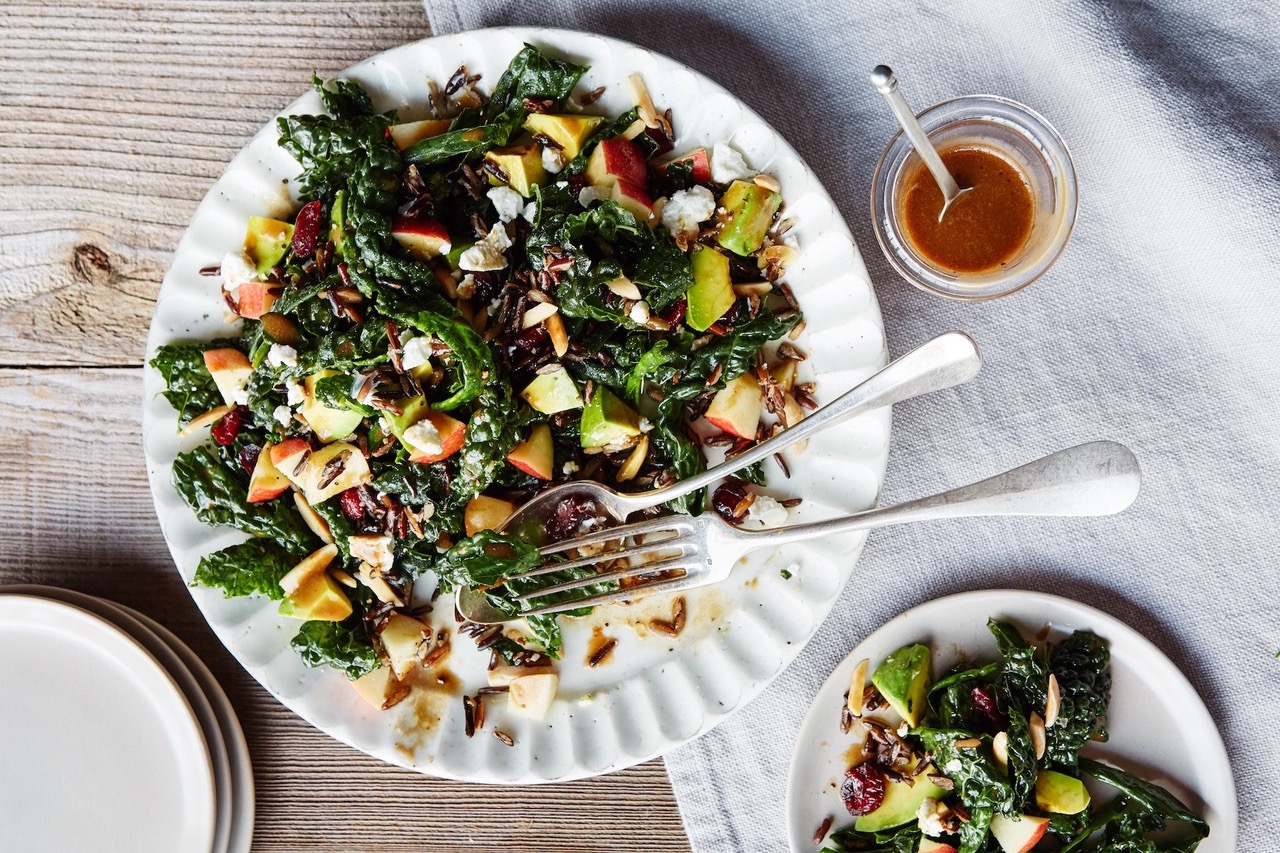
pixel 359 346
pixel 973 832
pixel 217 492
pixel 675 176
pixel 340 527
pixel 737 350
pixel 1148 807
pixel 342 645
pixel 1025 679
pixel 484 559
pixel 649 369
pixel 345 100
pixel 683 456
pixel 979 781
pixel 335 392
pixel 191 389
pixel 662 271
pixel 950 697
pixel 1081 663
pixel 1022 758
pixel 471 360
pixel 256 565
pixel 899 839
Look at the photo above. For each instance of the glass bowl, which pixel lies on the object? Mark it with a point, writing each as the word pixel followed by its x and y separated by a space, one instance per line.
pixel 1019 134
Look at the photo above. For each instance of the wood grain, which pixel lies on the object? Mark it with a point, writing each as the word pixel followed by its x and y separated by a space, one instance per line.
pixel 115 119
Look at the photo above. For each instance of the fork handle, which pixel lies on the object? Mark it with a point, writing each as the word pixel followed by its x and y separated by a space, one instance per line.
pixel 1098 478
pixel 948 360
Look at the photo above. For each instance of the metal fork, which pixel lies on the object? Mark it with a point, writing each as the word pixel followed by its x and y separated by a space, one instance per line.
pixel 1098 478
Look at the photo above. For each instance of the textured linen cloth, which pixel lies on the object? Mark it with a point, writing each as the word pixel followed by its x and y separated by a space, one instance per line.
pixel 1158 328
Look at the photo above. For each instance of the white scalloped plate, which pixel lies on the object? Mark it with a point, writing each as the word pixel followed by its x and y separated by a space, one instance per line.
pixel 1159 727
pixel 654 693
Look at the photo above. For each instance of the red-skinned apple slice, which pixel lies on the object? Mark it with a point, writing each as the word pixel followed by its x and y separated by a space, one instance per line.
pixel 929 845
pixel 286 455
pixel 267 481
pixel 230 370
pixel 452 432
pixel 631 197
pixel 1018 834
pixel 535 455
pixel 256 298
pixel 701 164
pixel 616 160
pixel 735 408
pixel 424 239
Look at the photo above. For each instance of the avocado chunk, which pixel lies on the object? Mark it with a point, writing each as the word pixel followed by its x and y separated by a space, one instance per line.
pixel 412 410
pixel 901 801
pixel 607 419
pixel 567 131
pixel 1058 793
pixel 711 293
pixel 309 591
pixel 750 213
pixel 551 392
pixel 522 164
pixel 338 230
pixel 266 241
pixel 328 423
pixel 903 680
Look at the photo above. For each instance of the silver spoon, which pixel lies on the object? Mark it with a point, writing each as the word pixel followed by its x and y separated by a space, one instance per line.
pixel 948 360
pixel 886 84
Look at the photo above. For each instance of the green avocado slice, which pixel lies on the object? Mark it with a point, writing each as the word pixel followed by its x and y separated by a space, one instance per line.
pixel 903 680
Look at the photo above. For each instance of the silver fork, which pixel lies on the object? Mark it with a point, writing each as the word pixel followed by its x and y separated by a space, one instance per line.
pixel 1098 478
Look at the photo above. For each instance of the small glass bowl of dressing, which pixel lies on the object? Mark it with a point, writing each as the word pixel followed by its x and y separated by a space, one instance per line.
pixel 996 239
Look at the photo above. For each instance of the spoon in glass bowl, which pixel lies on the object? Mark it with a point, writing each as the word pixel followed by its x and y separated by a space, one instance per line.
pixel 887 84
pixel 950 359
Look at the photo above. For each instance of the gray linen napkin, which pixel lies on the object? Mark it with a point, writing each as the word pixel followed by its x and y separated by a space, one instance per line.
pixel 1157 328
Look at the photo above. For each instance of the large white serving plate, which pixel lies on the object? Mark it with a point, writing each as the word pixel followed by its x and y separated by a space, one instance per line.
pixel 1159 728
pixel 102 750
pixel 655 692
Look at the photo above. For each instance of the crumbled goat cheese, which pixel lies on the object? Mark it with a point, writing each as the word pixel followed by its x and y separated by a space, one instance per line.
pixel 282 355
pixel 296 393
pixel 530 212
pixel 425 437
pixel 639 313
pixel 929 818
pixel 374 550
pixel 954 766
pixel 646 425
pixel 467 287
pixel 236 271
pixel 507 202
pixel 766 512
pixel 727 164
pixel 569 467
pixel 487 255
pixel 416 352
pixel 590 195
pixel 552 160
pixel 687 209
pixel 283 414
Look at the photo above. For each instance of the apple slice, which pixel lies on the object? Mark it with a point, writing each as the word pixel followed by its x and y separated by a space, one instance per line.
pixel 735 409
pixel 616 160
pixel 552 392
pixel 486 513
pixel 380 688
pixel 312 519
pixel 452 433
pixel 633 198
pixel 286 456
pixel 230 370
pixel 567 131
pixel 423 239
pixel 532 695
pixel 504 673
pixel 1018 834
pixel 266 481
pixel 353 470
pixel 310 593
pixel 402 636
pixel 701 163
pixel 929 845
pixel 255 298
pixel 409 132
pixel 535 455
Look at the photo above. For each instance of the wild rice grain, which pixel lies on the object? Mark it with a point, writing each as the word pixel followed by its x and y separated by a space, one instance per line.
pixel 823 829
pixel 504 737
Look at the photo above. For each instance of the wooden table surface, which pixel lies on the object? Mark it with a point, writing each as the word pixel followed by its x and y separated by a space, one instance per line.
pixel 115 118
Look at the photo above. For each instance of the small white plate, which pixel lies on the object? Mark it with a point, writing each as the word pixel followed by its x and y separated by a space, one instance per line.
pixel 101 749
pixel 232 769
pixel 1159 728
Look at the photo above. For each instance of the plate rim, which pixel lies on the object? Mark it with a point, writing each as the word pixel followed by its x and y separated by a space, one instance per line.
pixel 567 42
pixel 1094 619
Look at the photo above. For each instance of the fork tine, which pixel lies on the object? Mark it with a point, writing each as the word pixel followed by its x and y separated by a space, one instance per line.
pixel 677 561
pixel 673 523
pixel 631 593
pixel 634 551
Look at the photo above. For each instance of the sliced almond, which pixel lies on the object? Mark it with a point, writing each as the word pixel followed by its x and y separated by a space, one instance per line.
pixel 967 743
pixel 857 687
pixel 559 337
pixel 314 522
pixel 779 252
pixel 344 578
pixel 539 312
pixel 1036 725
pixel 631 467
pixel 644 102
pixel 1000 749
pixel 624 287
pixel 769 182
pixel 1053 703
pixel 209 418
pixel 759 288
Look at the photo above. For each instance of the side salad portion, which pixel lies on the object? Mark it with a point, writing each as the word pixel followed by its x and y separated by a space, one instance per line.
pixel 466 308
pixel 988 757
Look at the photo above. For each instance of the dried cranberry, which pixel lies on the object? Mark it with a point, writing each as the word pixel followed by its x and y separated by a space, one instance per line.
pixel 489 284
pixel 862 789
pixel 734 313
pixel 985 704
pixel 566 521
pixel 249 457
pixel 578 183
pixel 306 229
pixel 529 338
pixel 226 430
pixel 352 506
pixel 674 314
pixel 726 499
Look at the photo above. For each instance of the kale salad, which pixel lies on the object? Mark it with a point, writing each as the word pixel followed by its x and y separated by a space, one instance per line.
pixel 508 293
pixel 988 758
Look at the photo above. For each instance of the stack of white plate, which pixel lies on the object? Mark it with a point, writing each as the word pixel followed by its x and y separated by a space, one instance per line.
pixel 114 736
